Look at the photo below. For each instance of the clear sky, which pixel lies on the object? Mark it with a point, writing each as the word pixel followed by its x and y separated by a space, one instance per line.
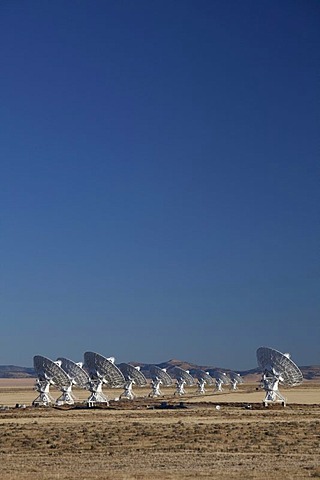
pixel 160 180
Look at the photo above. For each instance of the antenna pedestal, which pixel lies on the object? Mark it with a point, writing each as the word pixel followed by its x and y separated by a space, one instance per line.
pixel 44 398
pixel 155 385
pixel 277 367
pixel 270 385
pixel 97 395
pixel 234 384
pixel 219 384
pixel 128 393
pixel 66 397
pixel 201 386
pixel 180 387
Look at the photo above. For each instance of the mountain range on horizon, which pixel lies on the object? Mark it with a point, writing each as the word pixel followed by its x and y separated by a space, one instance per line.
pixel 310 372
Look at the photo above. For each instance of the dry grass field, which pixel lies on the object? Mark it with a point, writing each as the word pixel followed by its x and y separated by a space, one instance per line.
pixel 139 440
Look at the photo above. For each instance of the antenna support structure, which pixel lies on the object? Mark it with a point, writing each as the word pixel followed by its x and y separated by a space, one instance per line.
pixel 277 368
pixel 44 398
pixel 270 383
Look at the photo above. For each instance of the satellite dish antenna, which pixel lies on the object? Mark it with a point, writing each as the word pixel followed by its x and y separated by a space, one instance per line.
pixel 203 378
pixel 161 373
pixel 133 376
pixel 178 372
pixel 50 373
pixel 183 378
pixel 201 374
pixel 159 376
pixel 277 368
pixel 221 378
pixel 235 379
pixel 101 370
pixel 77 375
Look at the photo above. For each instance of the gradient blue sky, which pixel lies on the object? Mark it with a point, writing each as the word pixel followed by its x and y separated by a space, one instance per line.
pixel 160 180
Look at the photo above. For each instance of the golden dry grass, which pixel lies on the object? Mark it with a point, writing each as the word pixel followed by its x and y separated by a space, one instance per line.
pixel 135 440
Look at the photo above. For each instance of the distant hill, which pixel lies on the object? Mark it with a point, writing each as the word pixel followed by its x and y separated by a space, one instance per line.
pixel 11 371
pixel 310 372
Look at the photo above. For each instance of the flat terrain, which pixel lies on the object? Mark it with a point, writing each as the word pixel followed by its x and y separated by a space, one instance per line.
pixel 139 440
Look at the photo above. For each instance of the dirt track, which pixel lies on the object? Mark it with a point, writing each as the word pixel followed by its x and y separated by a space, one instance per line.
pixel 137 440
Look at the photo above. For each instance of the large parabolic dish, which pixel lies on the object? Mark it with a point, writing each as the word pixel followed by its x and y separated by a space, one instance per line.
pixel 47 369
pixel 277 368
pixel 162 374
pixel 235 378
pixel 75 372
pixel 178 372
pixel 281 364
pixel 220 376
pixel 202 375
pixel 103 368
pixel 50 373
pixel 129 371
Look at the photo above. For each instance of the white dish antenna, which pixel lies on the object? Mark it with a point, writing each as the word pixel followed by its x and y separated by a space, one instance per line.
pixel 159 377
pixel 277 368
pixel 183 378
pixel 133 376
pixel 221 378
pixel 101 370
pixel 180 373
pixel 50 373
pixel 102 367
pixel 202 375
pixel 129 371
pixel 219 375
pixel 77 375
pixel 235 379
pixel 162 374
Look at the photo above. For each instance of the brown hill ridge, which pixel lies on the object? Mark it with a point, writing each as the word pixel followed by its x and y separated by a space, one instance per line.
pixel 12 371
pixel 310 372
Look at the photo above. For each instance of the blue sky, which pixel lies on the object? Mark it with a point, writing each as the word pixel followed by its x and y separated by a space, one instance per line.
pixel 160 180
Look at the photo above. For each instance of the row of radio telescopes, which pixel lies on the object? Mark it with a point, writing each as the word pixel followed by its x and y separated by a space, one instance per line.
pixel 98 370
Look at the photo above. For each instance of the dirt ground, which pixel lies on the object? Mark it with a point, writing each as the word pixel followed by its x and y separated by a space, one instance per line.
pixel 143 439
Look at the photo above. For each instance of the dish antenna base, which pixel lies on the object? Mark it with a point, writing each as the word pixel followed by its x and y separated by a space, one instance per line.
pixel 155 386
pixel 97 395
pixel 44 399
pixel 67 397
pixel 128 393
pixel 218 386
pixel 201 386
pixel 234 384
pixel 180 387
pixel 270 384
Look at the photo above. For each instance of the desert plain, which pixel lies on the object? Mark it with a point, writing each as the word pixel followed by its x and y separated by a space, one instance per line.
pixel 142 439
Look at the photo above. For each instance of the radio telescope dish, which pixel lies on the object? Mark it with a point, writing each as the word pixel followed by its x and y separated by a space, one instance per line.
pixel 50 373
pixel 133 372
pixel 235 378
pixel 161 373
pixel 133 376
pixel 102 370
pixel 221 378
pixel 178 372
pixel 159 377
pixel 203 378
pixel 277 368
pixel 202 375
pixel 183 378
pixel 76 374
